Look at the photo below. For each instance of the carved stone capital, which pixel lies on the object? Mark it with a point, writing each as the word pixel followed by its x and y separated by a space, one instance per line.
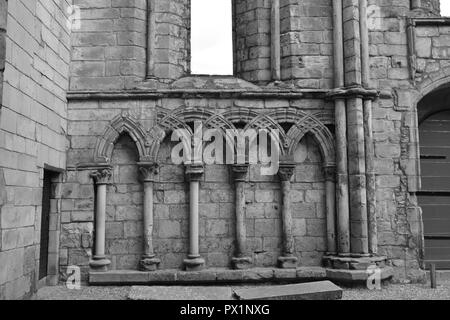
pixel 240 172
pixel 148 171
pixel 286 171
pixel 195 171
pixel 330 173
pixel 102 176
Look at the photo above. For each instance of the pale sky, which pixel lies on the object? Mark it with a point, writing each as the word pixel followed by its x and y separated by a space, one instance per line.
pixel 212 43
pixel 445 8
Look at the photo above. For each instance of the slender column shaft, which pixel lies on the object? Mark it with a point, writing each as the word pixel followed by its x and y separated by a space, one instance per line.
pixel 342 194
pixel 368 133
pixel 288 239
pixel 357 177
pixel 148 218
pixel 275 39
pixel 100 223
pixel 101 179
pixel 370 179
pixel 330 174
pixel 287 260
pixel 148 261
pixel 241 234
pixel 151 38
pixel 194 261
pixel 241 260
pixel 194 219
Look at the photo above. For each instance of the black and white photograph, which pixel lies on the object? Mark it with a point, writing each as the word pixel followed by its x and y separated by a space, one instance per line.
pixel 221 159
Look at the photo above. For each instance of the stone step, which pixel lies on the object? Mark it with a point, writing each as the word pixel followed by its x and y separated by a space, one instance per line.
pixel 323 290
pixel 210 276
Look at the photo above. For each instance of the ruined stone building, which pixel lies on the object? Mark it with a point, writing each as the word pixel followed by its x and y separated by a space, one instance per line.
pixel 357 89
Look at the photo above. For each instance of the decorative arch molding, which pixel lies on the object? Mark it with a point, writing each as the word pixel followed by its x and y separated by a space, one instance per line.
pixel 123 123
pixel 148 142
pixel 321 134
pixel 432 82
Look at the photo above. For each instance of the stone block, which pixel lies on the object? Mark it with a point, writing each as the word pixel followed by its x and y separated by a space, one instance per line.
pixel 323 290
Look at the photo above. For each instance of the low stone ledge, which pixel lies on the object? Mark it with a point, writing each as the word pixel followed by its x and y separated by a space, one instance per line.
pixel 355 276
pixel 131 277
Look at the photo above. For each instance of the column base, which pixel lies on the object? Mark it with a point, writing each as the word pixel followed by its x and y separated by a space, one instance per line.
pixel 354 262
pixel 99 263
pixel 194 264
pixel 149 263
pixel 287 262
pixel 241 263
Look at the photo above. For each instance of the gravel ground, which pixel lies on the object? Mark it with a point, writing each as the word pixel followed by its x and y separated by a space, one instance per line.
pixel 389 292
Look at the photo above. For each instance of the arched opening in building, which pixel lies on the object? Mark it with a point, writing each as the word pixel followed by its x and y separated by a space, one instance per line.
pixel 434 198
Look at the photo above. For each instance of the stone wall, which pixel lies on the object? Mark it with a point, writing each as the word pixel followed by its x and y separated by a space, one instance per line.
pixel 306 43
pixel 109 48
pixel 32 128
pixel 88 121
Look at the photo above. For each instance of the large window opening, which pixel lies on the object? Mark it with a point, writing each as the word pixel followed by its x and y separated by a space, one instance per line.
pixel 445 8
pixel 211 37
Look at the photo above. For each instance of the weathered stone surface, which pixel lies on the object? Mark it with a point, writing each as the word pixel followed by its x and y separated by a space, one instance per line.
pixel 180 293
pixel 324 290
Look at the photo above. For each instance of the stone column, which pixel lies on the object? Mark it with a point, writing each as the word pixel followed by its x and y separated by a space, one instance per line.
pixel 102 179
pixel 287 260
pixel 342 194
pixel 194 262
pixel 275 39
pixel 151 38
pixel 330 177
pixel 149 262
pixel 241 259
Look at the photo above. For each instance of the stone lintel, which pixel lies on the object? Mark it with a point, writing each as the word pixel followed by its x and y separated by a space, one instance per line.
pixel 353 92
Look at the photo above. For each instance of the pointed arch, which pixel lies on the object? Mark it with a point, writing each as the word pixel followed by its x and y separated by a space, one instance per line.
pixel 321 134
pixel 123 123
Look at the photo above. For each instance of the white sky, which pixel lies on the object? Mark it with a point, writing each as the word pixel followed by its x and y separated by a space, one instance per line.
pixel 212 40
pixel 445 8
pixel 212 44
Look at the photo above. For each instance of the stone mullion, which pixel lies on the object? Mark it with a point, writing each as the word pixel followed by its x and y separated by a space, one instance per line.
pixel 357 176
pixel 330 187
pixel 275 41
pixel 149 262
pixel 194 261
pixel 287 260
pixel 3 18
pixel 241 259
pixel 151 38
pixel 102 179
pixel 368 132
pixel 342 194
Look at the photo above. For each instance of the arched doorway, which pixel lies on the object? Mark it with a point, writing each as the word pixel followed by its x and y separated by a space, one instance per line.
pixel 434 198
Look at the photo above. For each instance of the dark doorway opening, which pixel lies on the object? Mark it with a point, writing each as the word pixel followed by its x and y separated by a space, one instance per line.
pixel 47 195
